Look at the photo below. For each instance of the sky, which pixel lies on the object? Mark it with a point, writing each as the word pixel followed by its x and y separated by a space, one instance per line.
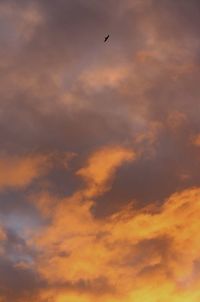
pixel 100 151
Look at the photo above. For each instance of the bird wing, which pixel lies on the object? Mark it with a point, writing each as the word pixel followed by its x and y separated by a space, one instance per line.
pixel 106 38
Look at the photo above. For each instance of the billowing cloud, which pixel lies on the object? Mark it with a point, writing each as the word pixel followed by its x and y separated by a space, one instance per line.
pixel 99 160
pixel 152 252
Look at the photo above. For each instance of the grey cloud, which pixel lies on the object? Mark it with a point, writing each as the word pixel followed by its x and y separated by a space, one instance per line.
pixel 37 72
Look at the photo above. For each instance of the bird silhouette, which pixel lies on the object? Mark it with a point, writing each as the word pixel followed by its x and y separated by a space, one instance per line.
pixel 106 38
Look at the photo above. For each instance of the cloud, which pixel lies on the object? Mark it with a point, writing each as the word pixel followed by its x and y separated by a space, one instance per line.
pixel 99 164
pixel 109 77
pixel 196 140
pixel 101 167
pixel 2 234
pixel 19 172
pixel 23 20
pixel 150 246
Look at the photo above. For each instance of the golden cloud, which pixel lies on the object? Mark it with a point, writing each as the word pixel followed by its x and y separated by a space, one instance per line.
pixel 101 167
pixel 18 172
pixel 143 255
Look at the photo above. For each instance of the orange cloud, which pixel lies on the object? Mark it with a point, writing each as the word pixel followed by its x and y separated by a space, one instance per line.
pixel 144 255
pixel 67 90
pixel 196 140
pixel 18 172
pixel 101 168
pixel 2 238
pixel 2 234
pixel 151 253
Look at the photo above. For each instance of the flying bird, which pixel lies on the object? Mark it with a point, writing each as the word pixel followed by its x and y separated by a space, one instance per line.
pixel 106 38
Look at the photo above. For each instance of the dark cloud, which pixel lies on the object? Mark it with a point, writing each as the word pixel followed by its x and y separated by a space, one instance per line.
pixel 18 283
pixel 65 91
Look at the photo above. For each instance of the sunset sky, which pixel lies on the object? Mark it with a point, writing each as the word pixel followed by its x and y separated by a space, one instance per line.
pixel 99 151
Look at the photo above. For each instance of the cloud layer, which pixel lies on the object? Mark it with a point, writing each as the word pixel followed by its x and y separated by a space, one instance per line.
pixel 99 159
